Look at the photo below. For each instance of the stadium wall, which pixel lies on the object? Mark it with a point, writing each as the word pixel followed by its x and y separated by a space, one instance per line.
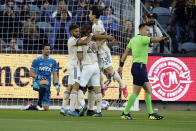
pixel 173 79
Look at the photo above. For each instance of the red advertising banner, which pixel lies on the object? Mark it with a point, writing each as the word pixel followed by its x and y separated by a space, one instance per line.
pixel 172 78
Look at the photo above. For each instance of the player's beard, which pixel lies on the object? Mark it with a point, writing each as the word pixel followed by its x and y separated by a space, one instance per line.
pixel 151 23
pixel 76 36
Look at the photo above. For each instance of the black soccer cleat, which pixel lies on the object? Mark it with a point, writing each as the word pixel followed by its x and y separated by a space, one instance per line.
pixel 155 116
pixel 126 117
pixel 90 112
pixel 97 114
pixel 82 110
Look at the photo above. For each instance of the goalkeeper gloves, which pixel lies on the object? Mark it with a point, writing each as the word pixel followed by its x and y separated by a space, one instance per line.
pixel 57 86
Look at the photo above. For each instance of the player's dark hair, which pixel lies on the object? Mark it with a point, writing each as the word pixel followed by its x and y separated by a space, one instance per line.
pixel 45 44
pixel 96 11
pixel 85 29
pixel 73 27
pixel 142 25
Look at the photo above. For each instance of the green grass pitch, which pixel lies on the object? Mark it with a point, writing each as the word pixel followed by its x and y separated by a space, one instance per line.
pixel 16 120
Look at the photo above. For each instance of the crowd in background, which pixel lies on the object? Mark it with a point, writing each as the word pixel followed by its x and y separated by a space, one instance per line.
pixel 30 23
pixel 180 23
pixel 27 24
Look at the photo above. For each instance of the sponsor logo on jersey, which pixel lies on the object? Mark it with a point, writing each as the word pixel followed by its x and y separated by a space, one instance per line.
pixel 45 68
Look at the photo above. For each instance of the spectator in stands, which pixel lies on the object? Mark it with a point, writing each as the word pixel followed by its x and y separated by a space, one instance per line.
pixel 85 13
pixel 32 39
pixel 12 45
pixel 175 4
pixel 61 23
pixel 157 3
pixel 183 24
pixel 26 15
pixel 62 6
pixel 110 20
pixel 127 33
pixel 8 23
pixel 149 5
pixel 128 11
pixel 13 6
pixel 99 3
pixel 154 32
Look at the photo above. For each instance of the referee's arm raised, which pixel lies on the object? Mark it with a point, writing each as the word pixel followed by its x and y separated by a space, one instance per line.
pixel 158 39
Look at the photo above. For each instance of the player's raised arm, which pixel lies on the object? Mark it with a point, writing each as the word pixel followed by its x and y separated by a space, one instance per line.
pixel 103 36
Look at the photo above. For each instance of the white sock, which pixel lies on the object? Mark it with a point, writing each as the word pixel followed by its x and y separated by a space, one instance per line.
pixel 91 99
pixel 117 77
pixel 98 98
pixel 77 104
pixel 81 98
pixel 65 99
pixel 102 80
pixel 73 99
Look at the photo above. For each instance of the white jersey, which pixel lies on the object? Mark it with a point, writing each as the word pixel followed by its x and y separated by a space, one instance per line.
pixel 98 28
pixel 72 51
pixel 89 54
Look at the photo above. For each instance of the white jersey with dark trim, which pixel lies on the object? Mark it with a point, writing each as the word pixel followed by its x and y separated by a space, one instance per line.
pixel 89 54
pixel 72 51
pixel 98 28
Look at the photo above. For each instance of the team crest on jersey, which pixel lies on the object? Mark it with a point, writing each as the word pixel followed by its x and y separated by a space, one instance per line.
pixel 50 65
pixel 170 79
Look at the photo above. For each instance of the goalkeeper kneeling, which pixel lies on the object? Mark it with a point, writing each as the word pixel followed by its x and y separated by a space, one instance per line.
pixel 41 70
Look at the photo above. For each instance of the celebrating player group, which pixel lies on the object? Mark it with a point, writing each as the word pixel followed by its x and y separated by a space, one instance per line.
pixel 88 56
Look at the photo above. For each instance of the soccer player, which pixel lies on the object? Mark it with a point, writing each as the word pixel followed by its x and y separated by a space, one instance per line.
pixel 139 46
pixel 104 55
pixel 73 67
pixel 41 70
pixel 90 74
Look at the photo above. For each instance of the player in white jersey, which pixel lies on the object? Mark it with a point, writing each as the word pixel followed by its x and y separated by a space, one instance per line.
pixel 104 55
pixel 73 70
pixel 90 74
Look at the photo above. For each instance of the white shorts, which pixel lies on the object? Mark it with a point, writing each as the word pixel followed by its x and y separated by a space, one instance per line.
pixel 90 75
pixel 105 60
pixel 74 75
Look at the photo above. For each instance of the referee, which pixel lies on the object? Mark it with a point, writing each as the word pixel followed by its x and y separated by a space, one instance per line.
pixel 139 46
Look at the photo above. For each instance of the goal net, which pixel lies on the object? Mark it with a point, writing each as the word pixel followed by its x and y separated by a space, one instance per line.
pixel 26 24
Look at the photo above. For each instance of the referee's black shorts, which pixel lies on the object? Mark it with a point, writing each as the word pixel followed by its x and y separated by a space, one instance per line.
pixel 139 73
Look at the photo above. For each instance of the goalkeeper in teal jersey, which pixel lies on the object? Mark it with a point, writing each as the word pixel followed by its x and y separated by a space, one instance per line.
pixel 139 47
pixel 41 70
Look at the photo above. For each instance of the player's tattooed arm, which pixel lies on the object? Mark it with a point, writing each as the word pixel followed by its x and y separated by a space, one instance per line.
pixel 101 42
pixel 103 36
pixel 85 41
